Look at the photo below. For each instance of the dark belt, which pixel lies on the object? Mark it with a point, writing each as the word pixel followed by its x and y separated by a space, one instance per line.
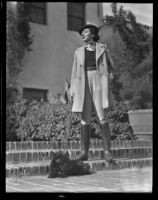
pixel 90 68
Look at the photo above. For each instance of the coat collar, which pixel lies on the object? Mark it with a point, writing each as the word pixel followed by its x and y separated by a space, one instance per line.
pixel 100 49
pixel 80 52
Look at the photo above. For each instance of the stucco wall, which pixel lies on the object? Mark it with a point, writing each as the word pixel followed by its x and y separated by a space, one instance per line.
pixel 51 58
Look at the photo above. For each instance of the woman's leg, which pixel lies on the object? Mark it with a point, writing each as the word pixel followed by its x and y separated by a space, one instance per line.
pixel 101 115
pixel 86 116
pixel 106 136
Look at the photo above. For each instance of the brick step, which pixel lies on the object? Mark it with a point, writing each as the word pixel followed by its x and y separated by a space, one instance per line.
pixel 74 144
pixel 94 154
pixel 42 168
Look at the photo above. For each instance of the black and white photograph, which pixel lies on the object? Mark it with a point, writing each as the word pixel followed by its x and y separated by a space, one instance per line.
pixel 79 93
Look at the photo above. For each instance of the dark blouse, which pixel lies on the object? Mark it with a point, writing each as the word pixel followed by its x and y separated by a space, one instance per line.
pixel 90 60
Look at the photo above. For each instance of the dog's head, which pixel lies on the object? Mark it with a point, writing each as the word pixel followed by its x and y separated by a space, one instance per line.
pixel 59 166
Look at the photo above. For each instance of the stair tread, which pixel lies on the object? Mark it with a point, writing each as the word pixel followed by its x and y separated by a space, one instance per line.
pixel 44 163
pixel 91 149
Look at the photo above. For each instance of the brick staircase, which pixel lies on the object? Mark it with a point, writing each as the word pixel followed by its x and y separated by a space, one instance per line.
pixel 33 158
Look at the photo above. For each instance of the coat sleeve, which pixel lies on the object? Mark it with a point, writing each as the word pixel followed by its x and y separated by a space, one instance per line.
pixel 73 76
pixel 109 60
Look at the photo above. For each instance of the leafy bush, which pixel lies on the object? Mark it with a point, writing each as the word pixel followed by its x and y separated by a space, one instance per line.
pixel 119 121
pixel 36 120
pixel 14 112
pixel 44 121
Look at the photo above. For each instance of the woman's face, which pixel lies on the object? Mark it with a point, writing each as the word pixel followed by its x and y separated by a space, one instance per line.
pixel 86 35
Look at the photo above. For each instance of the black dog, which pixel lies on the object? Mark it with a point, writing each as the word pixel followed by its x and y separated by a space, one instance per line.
pixel 62 166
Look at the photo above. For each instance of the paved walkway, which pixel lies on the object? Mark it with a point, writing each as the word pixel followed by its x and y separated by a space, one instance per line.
pixel 125 180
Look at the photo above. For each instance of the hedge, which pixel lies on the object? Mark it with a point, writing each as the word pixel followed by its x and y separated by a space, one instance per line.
pixel 38 121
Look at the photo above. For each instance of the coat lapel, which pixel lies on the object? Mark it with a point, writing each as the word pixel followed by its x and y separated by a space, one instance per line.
pixel 100 48
pixel 81 55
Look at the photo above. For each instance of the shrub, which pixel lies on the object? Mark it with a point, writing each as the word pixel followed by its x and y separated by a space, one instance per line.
pixel 14 112
pixel 44 121
pixel 119 122
pixel 36 120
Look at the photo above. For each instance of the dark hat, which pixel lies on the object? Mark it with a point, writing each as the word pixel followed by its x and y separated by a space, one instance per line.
pixel 95 28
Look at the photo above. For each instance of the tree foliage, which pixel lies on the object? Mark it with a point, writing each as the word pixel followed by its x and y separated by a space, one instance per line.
pixel 132 53
pixel 132 33
pixel 122 58
pixel 18 40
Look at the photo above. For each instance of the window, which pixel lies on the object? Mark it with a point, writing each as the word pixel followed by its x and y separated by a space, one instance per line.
pixel 75 16
pixel 32 93
pixel 38 12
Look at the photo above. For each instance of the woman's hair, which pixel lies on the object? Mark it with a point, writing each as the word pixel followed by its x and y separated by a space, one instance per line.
pixel 95 35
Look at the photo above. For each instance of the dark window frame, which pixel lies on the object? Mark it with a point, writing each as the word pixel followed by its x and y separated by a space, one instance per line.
pixel 28 89
pixel 73 16
pixel 43 8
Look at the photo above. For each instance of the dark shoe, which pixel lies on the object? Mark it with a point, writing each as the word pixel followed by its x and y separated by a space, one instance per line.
pixel 85 137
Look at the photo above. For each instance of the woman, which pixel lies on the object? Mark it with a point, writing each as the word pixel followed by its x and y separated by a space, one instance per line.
pixel 92 67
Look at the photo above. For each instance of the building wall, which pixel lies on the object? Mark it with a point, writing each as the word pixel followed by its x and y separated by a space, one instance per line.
pixel 51 58
pixel 94 13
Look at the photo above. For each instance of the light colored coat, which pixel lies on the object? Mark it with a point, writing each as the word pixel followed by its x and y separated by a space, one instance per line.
pixel 104 65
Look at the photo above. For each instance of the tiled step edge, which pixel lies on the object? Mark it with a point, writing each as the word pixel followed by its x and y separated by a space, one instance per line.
pixel 33 169
pixel 47 155
pixel 74 144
